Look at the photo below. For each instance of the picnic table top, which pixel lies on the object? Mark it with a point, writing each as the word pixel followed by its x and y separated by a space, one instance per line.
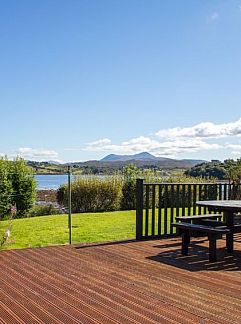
pixel 233 205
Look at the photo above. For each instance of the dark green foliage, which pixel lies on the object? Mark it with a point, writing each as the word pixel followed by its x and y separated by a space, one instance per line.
pixel 208 170
pixel 130 174
pixel 17 192
pixel 43 210
pixel 62 195
pixel 228 170
pixel 128 201
pixel 234 174
pixel 92 194
pixel 5 189
pixel 23 184
pixel 17 187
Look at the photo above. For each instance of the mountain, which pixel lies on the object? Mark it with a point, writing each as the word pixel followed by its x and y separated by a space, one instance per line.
pixel 53 162
pixel 144 156
pixel 194 162
pixel 113 162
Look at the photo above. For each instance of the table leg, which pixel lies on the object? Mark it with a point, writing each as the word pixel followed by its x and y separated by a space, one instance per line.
pixel 185 242
pixel 228 216
pixel 212 248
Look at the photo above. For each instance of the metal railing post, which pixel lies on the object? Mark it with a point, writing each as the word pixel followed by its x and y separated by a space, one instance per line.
pixel 139 209
pixel 69 206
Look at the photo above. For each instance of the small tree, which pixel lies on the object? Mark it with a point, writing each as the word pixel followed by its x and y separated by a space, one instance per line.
pixel 23 186
pixel 5 189
pixel 235 179
pixel 130 174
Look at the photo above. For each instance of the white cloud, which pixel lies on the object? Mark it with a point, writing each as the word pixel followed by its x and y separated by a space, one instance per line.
pixel 236 148
pixel 233 146
pixel 169 148
pixel 101 142
pixel 203 130
pixel 214 16
pixel 39 154
pixel 174 141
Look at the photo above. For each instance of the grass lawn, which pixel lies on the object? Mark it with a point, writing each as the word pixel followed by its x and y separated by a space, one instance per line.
pixel 87 227
pixel 51 230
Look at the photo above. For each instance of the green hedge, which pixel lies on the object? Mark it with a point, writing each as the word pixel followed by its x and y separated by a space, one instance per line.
pixel 92 194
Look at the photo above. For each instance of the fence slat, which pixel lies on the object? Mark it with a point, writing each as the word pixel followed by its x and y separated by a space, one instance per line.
pixel 183 199
pixel 225 192
pixel 178 200
pixel 189 199
pixel 147 210
pixel 220 195
pixel 194 199
pixel 139 209
pixel 160 210
pixel 153 209
pixel 205 197
pixel 165 208
pixel 172 209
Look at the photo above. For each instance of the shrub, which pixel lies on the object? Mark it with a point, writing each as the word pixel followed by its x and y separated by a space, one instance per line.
pixel 92 194
pixel 43 210
pixel 130 174
pixel 17 187
pixel 5 189
pixel 23 185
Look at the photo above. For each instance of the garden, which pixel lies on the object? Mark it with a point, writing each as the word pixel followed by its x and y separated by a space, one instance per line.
pixel 103 209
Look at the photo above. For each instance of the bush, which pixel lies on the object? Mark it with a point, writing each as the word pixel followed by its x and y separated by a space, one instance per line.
pixel 92 194
pixel 43 210
pixel 17 187
pixel 130 174
pixel 23 185
pixel 5 189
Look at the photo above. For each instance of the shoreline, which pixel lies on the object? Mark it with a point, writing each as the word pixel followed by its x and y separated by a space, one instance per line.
pixel 47 196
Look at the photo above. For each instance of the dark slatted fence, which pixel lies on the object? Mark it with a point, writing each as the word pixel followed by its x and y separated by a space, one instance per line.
pixel 158 204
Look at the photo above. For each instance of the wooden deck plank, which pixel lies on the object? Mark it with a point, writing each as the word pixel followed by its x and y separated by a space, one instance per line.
pixel 125 282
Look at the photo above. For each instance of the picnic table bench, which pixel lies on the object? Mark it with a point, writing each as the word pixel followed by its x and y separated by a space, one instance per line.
pixel 198 217
pixel 212 232
pixel 206 219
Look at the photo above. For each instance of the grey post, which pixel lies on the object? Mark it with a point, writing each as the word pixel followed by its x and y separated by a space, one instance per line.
pixel 139 209
pixel 69 206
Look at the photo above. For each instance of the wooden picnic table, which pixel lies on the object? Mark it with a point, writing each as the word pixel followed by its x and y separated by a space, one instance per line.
pixel 229 209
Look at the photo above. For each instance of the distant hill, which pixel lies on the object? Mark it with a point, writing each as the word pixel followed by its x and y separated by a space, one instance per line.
pixel 147 157
pixel 114 162
pixel 142 160
pixel 144 156
pixel 194 162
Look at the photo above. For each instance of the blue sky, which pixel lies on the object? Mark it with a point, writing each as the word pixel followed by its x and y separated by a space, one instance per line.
pixel 81 79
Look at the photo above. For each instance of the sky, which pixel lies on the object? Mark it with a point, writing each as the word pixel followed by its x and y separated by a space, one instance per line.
pixel 80 79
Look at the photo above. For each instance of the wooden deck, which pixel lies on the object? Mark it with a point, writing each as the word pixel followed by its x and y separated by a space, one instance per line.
pixel 127 282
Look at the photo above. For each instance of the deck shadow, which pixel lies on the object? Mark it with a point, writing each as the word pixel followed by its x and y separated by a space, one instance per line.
pixel 96 244
pixel 197 260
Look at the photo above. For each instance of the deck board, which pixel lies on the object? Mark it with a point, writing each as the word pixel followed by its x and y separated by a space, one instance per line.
pixel 121 282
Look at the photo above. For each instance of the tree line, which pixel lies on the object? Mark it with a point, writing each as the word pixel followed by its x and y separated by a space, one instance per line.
pixel 228 170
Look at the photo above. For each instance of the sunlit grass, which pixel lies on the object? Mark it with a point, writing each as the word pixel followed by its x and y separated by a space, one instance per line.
pixel 87 227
